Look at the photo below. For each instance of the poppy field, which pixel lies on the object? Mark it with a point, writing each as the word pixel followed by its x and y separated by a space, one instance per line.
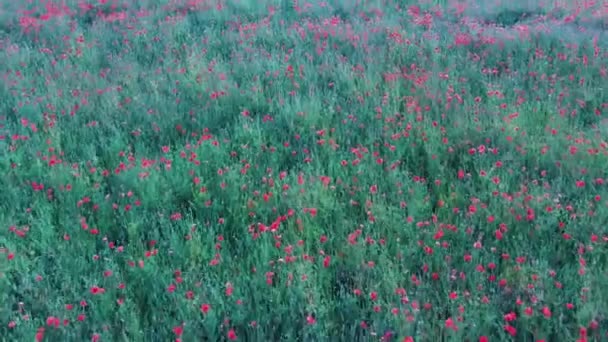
pixel 273 170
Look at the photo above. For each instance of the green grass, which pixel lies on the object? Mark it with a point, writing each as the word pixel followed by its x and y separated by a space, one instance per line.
pixel 332 172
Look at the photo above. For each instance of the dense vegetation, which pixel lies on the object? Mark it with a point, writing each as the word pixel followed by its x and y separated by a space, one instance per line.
pixel 324 171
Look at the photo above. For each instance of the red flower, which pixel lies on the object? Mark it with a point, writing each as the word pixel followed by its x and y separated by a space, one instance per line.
pixel 205 308
pixel 97 290
pixel 40 334
pixel 449 323
pixel 231 335
pixel 511 316
pixel 326 261
pixel 510 330
pixel 52 321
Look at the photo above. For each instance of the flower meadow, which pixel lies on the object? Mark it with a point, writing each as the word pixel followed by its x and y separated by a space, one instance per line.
pixel 259 170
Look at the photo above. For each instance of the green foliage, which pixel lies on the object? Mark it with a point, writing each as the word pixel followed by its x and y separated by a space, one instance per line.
pixel 280 171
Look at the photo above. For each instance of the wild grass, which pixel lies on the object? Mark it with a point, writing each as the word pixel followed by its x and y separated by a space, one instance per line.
pixel 291 171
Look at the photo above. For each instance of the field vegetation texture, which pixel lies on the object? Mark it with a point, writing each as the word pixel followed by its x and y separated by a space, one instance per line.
pixel 303 171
